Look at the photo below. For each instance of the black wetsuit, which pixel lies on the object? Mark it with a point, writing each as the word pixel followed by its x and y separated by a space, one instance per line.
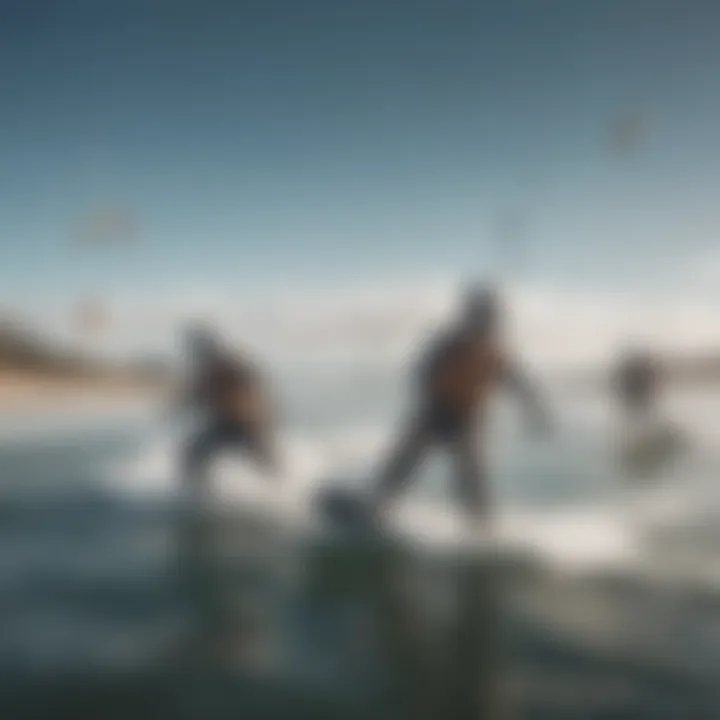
pixel 447 415
pixel 217 394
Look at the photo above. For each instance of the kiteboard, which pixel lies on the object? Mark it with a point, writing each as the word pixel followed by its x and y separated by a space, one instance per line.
pixel 347 513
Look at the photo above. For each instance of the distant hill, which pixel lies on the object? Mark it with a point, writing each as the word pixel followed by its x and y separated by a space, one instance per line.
pixel 22 351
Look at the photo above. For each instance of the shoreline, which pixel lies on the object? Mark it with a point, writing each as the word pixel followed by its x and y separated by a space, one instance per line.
pixel 20 392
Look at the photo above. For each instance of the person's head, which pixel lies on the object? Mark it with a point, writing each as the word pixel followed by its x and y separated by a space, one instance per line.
pixel 636 357
pixel 201 343
pixel 480 310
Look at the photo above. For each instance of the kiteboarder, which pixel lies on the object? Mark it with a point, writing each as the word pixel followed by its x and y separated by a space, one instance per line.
pixel 231 397
pixel 458 376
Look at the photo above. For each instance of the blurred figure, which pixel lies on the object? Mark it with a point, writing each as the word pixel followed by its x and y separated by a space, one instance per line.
pixel 637 384
pixel 231 398
pixel 457 378
pixel 647 440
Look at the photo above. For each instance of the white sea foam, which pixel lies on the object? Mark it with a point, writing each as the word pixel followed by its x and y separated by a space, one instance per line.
pixel 614 529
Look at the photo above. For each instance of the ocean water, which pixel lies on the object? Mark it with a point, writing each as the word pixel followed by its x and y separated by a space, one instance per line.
pixel 117 601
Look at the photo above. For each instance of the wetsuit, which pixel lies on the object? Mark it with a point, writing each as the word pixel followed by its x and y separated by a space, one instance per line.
pixel 456 379
pixel 231 395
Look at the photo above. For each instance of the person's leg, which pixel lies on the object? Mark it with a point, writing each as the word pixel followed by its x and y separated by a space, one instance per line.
pixel 471 482
pixel 198 453
pixel 403 460
pixel 261 451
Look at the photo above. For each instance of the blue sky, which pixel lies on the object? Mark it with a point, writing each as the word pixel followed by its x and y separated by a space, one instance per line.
pixel 332 142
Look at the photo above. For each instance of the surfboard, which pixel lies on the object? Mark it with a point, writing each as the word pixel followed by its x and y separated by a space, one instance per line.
pixel 347 513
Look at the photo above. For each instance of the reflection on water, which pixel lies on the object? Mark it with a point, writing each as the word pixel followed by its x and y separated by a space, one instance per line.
pixel 260 624
pixel 380 631
pixel 116 608
pixel 231 579
pixel 369 631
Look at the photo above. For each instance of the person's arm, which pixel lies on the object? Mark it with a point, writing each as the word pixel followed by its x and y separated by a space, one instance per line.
pixel 526 391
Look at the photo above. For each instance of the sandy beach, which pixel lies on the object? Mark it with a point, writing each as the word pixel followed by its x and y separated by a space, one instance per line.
pixel 30 391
